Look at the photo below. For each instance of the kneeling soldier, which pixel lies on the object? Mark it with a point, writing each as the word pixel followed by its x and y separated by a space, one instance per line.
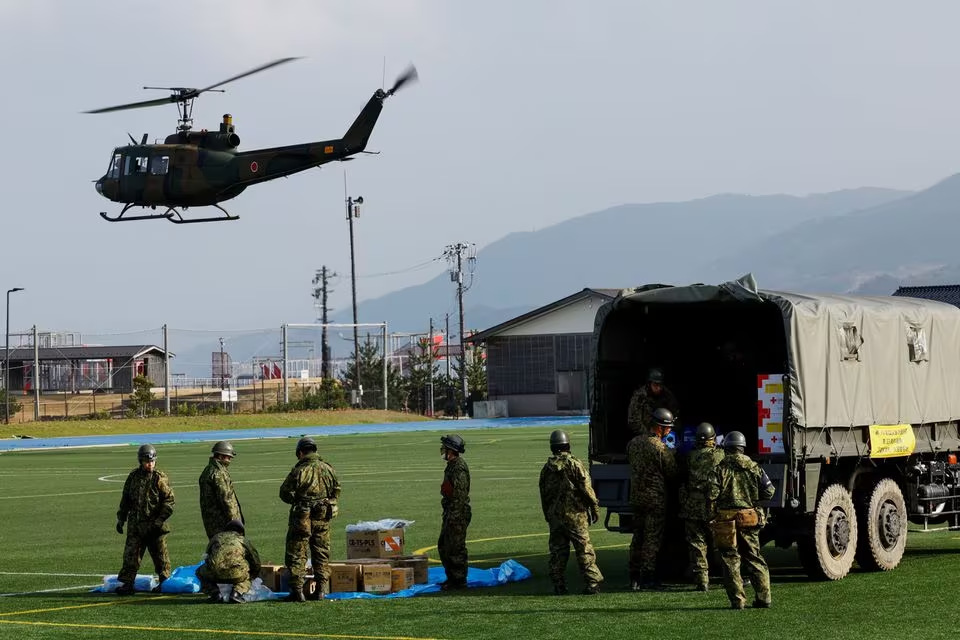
pixel 231 559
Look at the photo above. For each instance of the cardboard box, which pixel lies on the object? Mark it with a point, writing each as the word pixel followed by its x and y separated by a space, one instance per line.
pixel 275 577
pixel 375 544
pixel 401 578
pixel 344 578
pixel 376 578
pixel 419 564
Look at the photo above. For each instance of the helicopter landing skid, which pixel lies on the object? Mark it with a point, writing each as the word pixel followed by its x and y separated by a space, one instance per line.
pixel 176 216
pixel 119 218
pixel 173 214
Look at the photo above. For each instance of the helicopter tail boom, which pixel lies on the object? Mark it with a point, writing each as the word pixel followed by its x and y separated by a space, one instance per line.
pixel 356 137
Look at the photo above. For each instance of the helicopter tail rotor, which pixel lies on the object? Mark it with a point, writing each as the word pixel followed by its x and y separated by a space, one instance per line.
pixel 409 75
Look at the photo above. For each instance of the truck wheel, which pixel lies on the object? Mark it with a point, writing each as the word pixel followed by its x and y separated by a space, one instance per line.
pixel 834 534
pixel 883 527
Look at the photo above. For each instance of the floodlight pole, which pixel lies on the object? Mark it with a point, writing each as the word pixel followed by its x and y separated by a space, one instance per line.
pixel 352 213
pixel 6 361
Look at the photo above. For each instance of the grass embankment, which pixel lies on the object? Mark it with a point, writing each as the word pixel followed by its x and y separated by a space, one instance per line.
pixel 173 424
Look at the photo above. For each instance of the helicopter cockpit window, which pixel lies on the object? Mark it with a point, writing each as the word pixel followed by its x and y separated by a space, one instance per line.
pixel 159 165
pixel 114 170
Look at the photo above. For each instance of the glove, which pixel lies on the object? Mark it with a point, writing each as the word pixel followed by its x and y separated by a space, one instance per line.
pixel 120 526
pixel 594 515
pixel 334 511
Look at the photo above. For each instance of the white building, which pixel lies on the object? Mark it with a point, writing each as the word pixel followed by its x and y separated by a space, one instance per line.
pixel 538 362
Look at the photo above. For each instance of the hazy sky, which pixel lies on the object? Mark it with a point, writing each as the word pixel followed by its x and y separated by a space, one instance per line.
pixel 526 114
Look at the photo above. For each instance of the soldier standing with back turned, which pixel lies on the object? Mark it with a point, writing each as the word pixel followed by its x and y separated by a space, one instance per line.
pixel 570 507
pixel 218 500
pixel 145 505
pixel 696 507
pixel 312 490
pixel 653 469
pixel 455 501
pixel 739 486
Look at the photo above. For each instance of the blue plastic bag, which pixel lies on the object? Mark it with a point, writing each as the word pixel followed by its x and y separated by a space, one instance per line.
pixel 140 583
pixel 182 580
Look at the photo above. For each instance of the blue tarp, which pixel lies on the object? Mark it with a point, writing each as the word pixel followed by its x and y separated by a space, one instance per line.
pixel 14 444
pixel 184 580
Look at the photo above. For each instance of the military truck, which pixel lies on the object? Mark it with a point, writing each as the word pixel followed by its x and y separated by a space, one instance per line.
pixel 851 404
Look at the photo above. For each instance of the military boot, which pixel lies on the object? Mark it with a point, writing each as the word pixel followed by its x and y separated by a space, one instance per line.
pixel 560 589
pixel 591 590
pixel 157 589
pixel 761 604
pixel 125 589
pixel 295 595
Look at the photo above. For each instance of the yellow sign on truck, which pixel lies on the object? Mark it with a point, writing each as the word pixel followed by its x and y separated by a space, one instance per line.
pixel 891 441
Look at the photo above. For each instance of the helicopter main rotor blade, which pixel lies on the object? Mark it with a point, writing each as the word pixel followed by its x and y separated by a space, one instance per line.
pixel 249 73
pixel 137 105
pixel 410 75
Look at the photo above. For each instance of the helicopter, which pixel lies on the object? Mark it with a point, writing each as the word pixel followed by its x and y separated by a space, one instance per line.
pixel 204 168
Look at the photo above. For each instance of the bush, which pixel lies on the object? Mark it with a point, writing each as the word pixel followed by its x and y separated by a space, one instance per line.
pixel 15 406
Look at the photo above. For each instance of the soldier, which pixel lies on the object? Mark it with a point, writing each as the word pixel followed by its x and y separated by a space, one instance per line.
pixel 738 488
pixel 146 504
pixel 648 397
pixel 455 492
pixel 570 507
pixel 312 490
pixel 652 468
pixel 218 500
pixel 230 559
pixel 696 508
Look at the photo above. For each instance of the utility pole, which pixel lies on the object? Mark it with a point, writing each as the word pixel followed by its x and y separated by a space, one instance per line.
pixel 454 254
pixel 222 374
pixel 447 351
pixel 322 278
pixel 6 361
pixel 353 211
pixel 430 364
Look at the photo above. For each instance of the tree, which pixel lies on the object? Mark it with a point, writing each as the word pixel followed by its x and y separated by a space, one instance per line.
pixel 423 361
pixel 142 396
pixel 371 378
pixel 476 370
pixel 15 406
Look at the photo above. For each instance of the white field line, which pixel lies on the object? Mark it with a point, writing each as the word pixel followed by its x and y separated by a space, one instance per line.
pixel 54 575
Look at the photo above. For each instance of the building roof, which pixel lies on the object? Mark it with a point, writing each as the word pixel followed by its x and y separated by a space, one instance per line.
pixel 23 354
pixel 482 336
pixel 949 293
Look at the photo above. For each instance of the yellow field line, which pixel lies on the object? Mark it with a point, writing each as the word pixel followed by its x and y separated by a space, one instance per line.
pixel 76 606
pixel 232 632
pixel 544 553
pixel 522 535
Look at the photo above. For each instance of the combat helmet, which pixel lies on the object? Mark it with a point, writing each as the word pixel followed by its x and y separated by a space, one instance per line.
pixel 705 432
pixel 146 453
pixel 235 525
pixel 453 442
pixel 223 448
pixel 306 445
pixel 733 440
pixel 663 417
pixel 559 440
pixel 655 375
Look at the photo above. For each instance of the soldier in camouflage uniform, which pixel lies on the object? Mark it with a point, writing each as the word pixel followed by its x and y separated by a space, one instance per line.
pixel 739 487
pixel 145 505
pixel 230 559
pixel 653 469
pixel 652 395
pixel 696 508
pixel 455 500
pixel 570 507
pixel 218 500
pixel 312 490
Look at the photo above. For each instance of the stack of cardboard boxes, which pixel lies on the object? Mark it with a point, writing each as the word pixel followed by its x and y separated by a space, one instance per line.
pixel 375 564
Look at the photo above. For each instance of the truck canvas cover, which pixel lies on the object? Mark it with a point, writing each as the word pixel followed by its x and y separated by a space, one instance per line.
pixel 851 360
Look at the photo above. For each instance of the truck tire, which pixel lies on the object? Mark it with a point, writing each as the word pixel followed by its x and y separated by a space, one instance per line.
pixel 834 540
pixel 882 520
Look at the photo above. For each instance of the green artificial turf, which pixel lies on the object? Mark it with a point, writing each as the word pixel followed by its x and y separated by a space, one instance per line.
pixel 58 510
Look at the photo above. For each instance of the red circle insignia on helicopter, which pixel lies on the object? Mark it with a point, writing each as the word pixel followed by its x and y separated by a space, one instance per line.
pixel 254 166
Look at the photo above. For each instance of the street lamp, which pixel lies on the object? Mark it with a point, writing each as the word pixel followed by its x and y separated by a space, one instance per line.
pixel 353 211
pixel 6 361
